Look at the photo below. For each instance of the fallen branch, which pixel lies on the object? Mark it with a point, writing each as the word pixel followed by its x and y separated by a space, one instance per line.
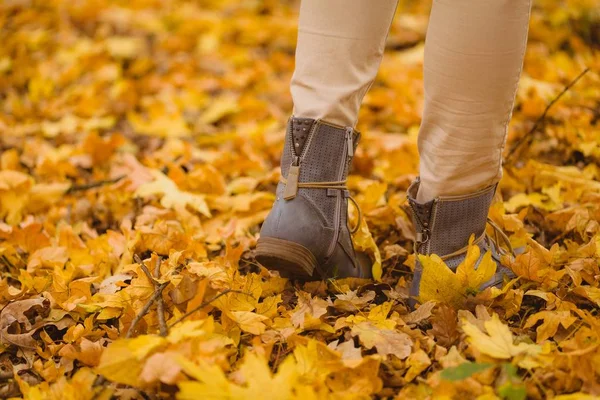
pixel 538 122
pixel 91 185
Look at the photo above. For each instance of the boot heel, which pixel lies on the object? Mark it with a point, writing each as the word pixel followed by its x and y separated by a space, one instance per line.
pixel 291 259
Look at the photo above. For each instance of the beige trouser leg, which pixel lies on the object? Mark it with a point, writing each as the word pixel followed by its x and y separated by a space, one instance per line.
pixel 473 58
pixel 340 46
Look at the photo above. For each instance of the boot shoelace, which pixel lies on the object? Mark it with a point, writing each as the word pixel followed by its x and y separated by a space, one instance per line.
pixel 484 236
pixel 339 185
pixel 504 236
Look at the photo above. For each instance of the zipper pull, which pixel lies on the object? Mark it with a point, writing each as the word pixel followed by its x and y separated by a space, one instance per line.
pixel 421 240
pixel 423 236
pixel 349 141
pixel 291 186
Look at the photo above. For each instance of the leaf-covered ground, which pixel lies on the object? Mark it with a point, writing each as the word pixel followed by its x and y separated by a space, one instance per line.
pixel 140 145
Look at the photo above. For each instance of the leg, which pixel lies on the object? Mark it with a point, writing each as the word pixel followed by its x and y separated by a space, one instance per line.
pixel 473 58
pixel 340 46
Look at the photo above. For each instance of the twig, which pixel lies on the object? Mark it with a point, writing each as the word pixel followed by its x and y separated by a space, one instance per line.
pixel 145 269
pixel 157 296
pixel 91 185
pixel 204 304
pixel 160 304
pixel 7 262
pixel 144 311
pixel 542 117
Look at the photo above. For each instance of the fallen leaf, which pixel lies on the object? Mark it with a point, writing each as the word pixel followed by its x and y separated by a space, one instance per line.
pixel 497 342
pixel 386 341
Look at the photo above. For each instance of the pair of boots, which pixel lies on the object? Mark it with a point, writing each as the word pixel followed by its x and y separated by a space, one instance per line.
pixel 306 235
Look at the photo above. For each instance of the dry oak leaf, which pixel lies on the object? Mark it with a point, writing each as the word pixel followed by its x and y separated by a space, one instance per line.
pixel 15 325
pixel 498 341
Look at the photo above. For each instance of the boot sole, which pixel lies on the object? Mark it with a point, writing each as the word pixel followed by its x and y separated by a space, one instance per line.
pixel 292 260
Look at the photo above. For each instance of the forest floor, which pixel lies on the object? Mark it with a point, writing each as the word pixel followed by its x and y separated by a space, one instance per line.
pixel 140 151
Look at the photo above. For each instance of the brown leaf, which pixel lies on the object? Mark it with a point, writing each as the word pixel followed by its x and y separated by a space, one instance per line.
pixel 421 313
pixel 444 323
pixel 19 320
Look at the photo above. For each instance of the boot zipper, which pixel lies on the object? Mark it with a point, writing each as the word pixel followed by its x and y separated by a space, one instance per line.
pixel 348 153
pixel 422 238
pixel 291 187
pixel 349 142
pixel 433 218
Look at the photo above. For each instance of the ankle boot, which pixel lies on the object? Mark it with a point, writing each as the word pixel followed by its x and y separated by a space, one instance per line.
pixel 444 226
pixel 306 234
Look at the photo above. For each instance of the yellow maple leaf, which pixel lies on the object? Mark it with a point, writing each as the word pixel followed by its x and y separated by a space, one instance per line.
pixel 380 312
pixel 47 257
pixel 87 352
pixel 124 46
pixel 43 195
pixel 315 361
pixel 249 321
pixel 386 341
pixel 417 362
pixel 438 282
pixel 172 196
pixel 360 382
pixel 268 307
pixel 552 319
pixel 363 241
pixel 211 381
pixel 219 108
pixel 14 192
pixel 308 312
pixel 257 380
pixel 472 275
pixel 123 360
pixel 498 341
pixel 162 367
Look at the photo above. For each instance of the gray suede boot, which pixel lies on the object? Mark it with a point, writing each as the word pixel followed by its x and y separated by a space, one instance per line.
pixel 306 234
pixel 444 226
